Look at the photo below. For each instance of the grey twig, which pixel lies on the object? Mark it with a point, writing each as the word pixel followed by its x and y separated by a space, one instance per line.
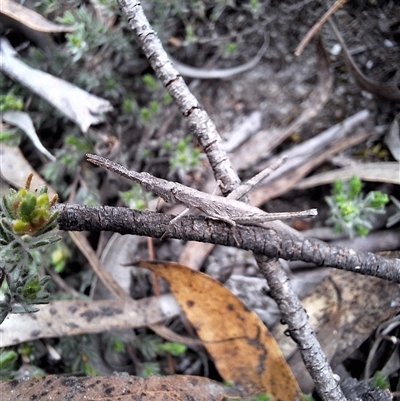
pixel 199 121
pixel 294 315
pixel 248 186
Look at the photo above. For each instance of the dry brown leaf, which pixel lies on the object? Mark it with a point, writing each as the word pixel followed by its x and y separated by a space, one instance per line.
pixel 30 18
pixel 392 138
pixel 76 104
pixel 375 172
pixel 194 254
pixel 14 168
pixel 116 387
pixel 243 350
pixel 68 318
pixel 305 157
pixel 24 122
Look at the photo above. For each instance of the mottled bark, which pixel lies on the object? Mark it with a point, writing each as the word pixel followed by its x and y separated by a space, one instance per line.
pixel 264 241
pixel 300 330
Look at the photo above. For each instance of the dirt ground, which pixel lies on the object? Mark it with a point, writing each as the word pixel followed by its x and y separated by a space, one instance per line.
pixel 281 82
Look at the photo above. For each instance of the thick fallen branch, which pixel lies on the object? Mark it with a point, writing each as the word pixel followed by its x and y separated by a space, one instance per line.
pixel 272 242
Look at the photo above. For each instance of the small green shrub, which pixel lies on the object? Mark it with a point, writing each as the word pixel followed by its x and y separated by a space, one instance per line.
pixel 380 381
pixel 183 155
pixel 350 210
pixel 26 223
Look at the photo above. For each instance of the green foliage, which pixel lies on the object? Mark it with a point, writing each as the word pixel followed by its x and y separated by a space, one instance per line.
pixel 59 255
pixel 255 8
pixel 8 360
pixel 117 345
pixel 229 50
pixel 12 137
pixel 190 36
pixel 67 163
pixel 150 112
pixel 261 397
pixel 26 223
pixel 147 344
pixel 380 381
pixel 172 348
pixel 73 353
pixel 88 35
pixel 183 156
pixel 135 198
pixel 150 82
pixel 151 347
pixel 149 369
pixel 10 102
pixel 350 210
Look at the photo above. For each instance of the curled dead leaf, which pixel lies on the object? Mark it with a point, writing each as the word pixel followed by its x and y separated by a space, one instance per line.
pixel 30 18
pixel 243 350
pixel 76 104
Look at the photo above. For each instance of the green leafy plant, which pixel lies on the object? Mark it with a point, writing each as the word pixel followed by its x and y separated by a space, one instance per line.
pixel 350 210
pixel 12 137
pixel 26 223
pixel 229 50
pixel 172 348
pixel 183 155
pixel 135 198
pixel 262 397
pixel 59 255
pixel 151 347
pixel 8 360
pixel 10 102
pixel 68 159
pixel 149 369
pixel 255 8
pixel 380 381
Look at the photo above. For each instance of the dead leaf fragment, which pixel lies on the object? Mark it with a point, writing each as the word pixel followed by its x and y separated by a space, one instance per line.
pixel 241 346
pixel 30 18
pixel 78 105
pixel 68 318
pixel 392 138
pixel 24 122
pixel 14 168
pixel 373 172
pixel 116 387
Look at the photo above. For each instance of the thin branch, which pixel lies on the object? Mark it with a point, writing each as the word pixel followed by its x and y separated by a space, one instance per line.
pixel 300 330
pixel 198 120
pixel 317 26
